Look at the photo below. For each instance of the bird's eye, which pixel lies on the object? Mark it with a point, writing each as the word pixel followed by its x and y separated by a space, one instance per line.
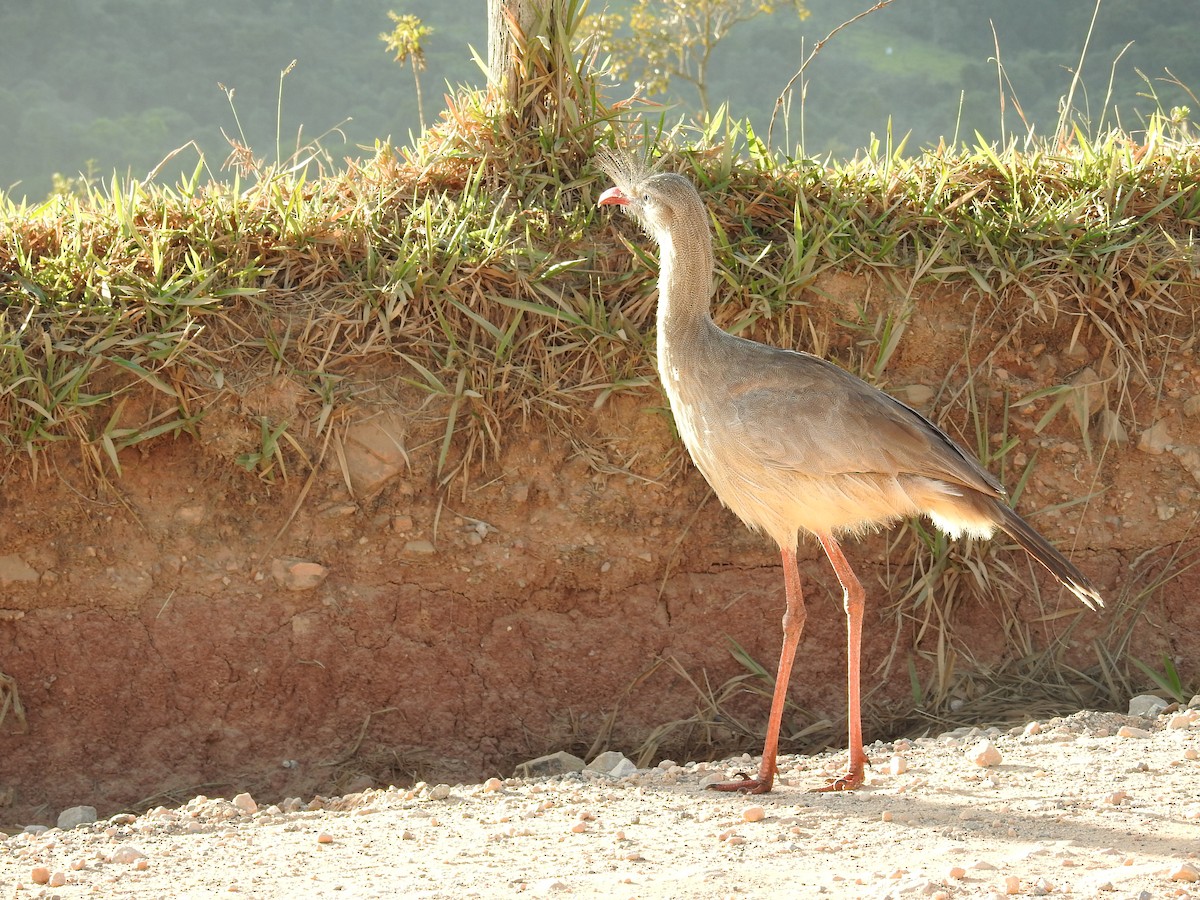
pixel 645 198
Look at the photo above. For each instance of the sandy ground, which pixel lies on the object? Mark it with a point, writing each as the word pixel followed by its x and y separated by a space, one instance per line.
pixel 1081 806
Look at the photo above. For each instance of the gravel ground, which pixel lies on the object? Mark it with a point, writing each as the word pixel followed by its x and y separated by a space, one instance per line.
pixel 1094 804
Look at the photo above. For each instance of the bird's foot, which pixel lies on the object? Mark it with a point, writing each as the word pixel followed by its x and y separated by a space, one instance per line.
pixel 848 782
pixel 745 784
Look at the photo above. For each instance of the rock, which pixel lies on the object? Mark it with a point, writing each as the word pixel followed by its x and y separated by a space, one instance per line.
pixel 1089 389
pixel 324 838
pixel 552 764
pixel 419 548
pixel 1185 872
pixel 293 574
pixel 57 879
pixel 14 570
pixel 1111 429
pixel 493 784
pixel 984 754
pixel 374 452
pixel 191 513
pixel 126 853
pixel 245 803
pixel 39 875
pixel 754 813
pixel 1155 439
pixel 917 394
pixel 605 762
pixel 1183 720
pixel 897 765
pixel 1146 705
pixel 439 792
pixel 1128 731
pixel 76 816
pixel 623 769
pixel 1191 406
pixel 1189 457
pixel 1194 703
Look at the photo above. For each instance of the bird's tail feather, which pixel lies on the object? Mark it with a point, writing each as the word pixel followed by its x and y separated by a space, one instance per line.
pixel 1041 550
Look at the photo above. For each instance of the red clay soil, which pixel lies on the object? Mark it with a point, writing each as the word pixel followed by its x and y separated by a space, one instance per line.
pixel 189 628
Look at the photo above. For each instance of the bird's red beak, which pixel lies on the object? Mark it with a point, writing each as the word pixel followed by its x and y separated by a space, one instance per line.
pixel 613 197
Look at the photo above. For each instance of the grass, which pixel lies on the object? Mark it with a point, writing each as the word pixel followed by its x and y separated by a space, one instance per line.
pixel 477 263
pixel 512 306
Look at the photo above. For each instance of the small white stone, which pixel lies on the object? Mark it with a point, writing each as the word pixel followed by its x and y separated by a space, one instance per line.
pixel 897 765
pixel 493 784
pixel 984 754
pixel 1155 439
pixel 439 792
pixel 1032 728
pixel 623 769
pixel 245 803
pixel 126 853
pixel 1128 731
pixel 1185 872
pixel 754 814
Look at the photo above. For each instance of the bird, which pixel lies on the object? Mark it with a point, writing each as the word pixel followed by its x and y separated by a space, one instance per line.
pixel 793 444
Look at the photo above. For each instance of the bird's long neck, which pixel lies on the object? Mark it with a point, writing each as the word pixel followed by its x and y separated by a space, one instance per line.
pixel 685 287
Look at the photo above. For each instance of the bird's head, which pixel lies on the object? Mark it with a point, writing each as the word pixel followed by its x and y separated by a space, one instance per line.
pixel 661 201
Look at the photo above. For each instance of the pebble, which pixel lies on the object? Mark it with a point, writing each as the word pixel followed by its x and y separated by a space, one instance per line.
pixel 1129 731
pixel 1185 872
pixel 439 792
pixel 985 755
pixel 245 803
pixel 1032 728
pixel 40 875
pixel 324 838
pixel 493 784
pixel 754 813
pixel 897 765
pixel 1012 884
pixel 297 574
pixel 126 853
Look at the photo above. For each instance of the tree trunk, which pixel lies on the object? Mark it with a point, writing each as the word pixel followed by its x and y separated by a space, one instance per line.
pixel 501 53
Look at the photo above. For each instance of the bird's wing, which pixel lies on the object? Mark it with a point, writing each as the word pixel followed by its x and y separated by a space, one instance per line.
pixel 797 411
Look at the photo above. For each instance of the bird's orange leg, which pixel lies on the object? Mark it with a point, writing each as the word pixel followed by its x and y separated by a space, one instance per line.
pixel 793 624
pixel 855 601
